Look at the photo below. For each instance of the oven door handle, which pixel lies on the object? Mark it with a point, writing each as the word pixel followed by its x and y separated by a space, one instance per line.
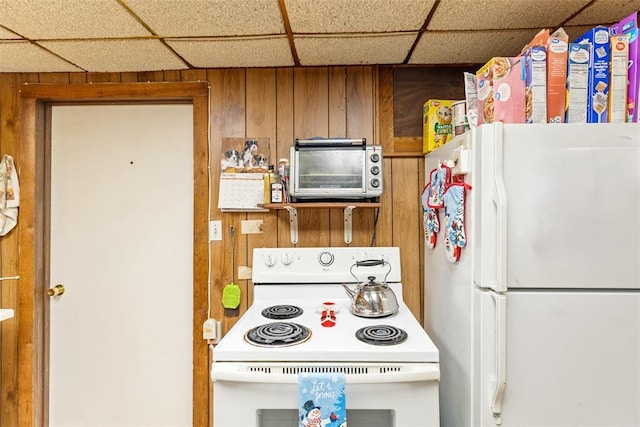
pixel 426 372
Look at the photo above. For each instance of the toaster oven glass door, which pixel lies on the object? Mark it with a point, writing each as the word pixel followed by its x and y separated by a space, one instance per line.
pixel 334 170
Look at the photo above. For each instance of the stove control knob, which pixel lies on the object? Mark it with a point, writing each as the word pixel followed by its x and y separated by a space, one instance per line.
pixel 326 259
pixel 286 259
pixel 269 260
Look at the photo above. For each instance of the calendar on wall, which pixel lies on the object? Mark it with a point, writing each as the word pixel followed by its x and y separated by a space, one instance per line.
pixel 244 161
pixel 241 192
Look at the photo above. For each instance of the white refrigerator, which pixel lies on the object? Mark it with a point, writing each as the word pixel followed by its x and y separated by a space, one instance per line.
pixel 538 322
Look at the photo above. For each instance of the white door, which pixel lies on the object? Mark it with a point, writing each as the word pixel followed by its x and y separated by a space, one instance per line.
pixel 122 245
pixel 572 359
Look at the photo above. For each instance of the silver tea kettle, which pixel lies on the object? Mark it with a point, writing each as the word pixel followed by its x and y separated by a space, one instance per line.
pixel 372 299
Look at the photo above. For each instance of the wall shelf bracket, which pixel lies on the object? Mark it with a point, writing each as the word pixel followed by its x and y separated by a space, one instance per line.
pixel 348 223
pixel 293 223
pixel 346 206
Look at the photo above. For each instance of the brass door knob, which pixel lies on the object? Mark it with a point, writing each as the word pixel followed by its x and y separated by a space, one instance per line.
pixel 56 290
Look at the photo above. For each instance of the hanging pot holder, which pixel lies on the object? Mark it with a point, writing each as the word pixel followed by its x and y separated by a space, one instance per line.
pixel 454 234
pixel 439 179
pixel 430 221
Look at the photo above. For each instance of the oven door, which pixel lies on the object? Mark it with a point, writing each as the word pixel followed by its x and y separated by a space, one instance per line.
pixel 377 395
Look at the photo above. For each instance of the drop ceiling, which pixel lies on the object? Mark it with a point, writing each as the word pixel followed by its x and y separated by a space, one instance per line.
pixel 151 35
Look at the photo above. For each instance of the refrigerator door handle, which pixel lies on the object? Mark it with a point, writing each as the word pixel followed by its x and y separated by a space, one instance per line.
pixel 501 356
pixel 501 209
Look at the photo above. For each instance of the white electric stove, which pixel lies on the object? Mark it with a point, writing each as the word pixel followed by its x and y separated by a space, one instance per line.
pixel 300 321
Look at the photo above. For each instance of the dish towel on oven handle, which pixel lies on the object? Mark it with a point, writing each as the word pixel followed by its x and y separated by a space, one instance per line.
pixel 9 195
pixel 322 400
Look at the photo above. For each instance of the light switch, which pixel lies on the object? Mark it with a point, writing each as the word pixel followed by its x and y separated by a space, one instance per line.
pixel 215 230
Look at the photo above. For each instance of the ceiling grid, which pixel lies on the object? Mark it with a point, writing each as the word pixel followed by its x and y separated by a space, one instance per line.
pixel 153 35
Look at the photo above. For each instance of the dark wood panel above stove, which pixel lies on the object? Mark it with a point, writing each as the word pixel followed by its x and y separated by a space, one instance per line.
pixel 412 86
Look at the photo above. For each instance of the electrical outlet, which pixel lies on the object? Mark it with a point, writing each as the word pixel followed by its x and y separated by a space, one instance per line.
pixel 215 230
pixel 244 272
pixel 211 330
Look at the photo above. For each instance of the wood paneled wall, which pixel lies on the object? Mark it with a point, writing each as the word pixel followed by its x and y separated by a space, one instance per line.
pixel 280 104
pixel 283 104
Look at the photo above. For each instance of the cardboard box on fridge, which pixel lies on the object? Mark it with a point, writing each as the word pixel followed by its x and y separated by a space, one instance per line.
pixel 437 123
pixel 577 82
pixel 600 51
pixel 556 44
pixel 629 25
pixel 501 90
pixel 535 61
pixel 618 81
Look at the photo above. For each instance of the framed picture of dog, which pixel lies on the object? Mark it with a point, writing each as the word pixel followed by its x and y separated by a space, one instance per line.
pixel 244 155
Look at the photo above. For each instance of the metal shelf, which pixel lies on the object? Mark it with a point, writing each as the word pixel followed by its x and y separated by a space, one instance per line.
pixel 346 207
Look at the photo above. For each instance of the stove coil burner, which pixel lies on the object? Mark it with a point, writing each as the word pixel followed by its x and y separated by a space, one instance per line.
pixel 281 312
pixel 381 335
pixel 278 334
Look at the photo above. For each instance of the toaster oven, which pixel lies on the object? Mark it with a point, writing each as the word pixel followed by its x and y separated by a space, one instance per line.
pixel 335 169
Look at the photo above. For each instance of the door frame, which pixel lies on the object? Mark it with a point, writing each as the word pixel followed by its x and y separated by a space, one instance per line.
pixel 33 301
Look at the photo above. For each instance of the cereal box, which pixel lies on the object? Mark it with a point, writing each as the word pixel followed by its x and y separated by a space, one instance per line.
pixel 437 123
pixel 535 61
pixel 629 25
pixel 618 78
pixel 484 91
pixel 598 96
pixel 577 83
pixel 501 90
pixel 556 44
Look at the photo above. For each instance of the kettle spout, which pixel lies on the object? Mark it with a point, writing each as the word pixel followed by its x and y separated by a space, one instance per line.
pixel 352 294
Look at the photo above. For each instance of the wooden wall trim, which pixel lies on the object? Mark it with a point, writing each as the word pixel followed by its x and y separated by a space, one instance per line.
pixel 30 334
pixel 393 146
pixel 385 109
pixel 114 91
pixel 32 371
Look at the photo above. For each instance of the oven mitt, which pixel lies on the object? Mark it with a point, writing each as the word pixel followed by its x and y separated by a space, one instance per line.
pixel 455 238
pixel 328 318
pixel 430 221
pixel 231 296
pixel 439 179
pixel 328 312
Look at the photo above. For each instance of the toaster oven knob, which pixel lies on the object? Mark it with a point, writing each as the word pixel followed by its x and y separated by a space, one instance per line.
pixel 375 183
pixel 375 157
pixel 375 170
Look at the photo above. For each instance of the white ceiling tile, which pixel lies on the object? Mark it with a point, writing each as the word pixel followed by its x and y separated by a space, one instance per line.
pixel 356 16
pixel 239 52
pixel 6 34
pixel 469 47
pixel 69 19
pixel 351 50
pixel 496 14
pixel 116 35
pixel 210 18
pixel 25 57
pixel 605 12
pixel 117 55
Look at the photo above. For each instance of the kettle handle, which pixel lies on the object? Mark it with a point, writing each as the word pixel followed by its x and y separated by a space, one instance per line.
pixel 371 263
